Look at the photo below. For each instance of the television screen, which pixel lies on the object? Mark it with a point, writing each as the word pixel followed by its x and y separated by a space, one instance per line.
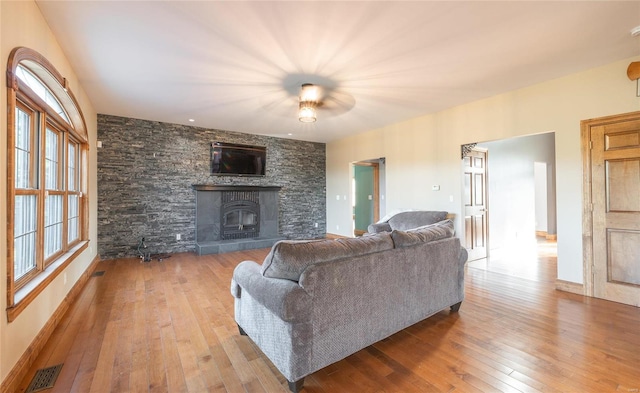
pixel 238 160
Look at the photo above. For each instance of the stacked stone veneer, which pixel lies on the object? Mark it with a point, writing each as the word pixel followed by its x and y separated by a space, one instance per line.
pixel 146 170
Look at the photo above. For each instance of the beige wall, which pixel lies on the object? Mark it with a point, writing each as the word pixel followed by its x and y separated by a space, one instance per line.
pixel 426 151
pixel 23 25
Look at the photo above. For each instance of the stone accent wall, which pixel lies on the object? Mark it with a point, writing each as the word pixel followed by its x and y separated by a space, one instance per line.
pixel 146 170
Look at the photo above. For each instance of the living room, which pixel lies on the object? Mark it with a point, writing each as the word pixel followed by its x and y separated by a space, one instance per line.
pixel 420 152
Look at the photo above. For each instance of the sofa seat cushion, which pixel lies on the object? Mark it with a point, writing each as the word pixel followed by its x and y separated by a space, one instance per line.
pixel 424 234
pixel 289 258
pixel 414 219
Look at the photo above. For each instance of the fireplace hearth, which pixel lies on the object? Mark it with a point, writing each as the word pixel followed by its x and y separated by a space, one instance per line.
pixel 231 218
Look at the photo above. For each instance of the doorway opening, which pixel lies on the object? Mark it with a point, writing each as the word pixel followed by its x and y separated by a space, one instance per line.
pixel 367 188
pixel 520 205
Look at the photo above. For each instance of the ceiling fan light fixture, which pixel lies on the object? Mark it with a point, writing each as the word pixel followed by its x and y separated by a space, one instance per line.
pixel 310 92
pixel 307 112
pixel 309 97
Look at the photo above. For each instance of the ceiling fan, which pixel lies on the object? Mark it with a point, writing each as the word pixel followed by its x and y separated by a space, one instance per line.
pixel 313 96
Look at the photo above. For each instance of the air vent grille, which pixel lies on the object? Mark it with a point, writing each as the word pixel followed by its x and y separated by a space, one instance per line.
pixel 45 378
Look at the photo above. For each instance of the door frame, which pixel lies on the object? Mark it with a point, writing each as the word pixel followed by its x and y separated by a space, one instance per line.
pixel 587 200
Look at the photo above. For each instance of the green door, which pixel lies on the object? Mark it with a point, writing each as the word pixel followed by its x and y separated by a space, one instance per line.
pixel 364 202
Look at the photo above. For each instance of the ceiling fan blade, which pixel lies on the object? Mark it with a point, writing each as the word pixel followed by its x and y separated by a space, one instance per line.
pixel 337 103
pixel 279 104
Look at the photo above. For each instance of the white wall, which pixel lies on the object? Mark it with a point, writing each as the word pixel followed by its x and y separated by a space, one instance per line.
pixel 23 25
pixel 426 151
pixel 540 191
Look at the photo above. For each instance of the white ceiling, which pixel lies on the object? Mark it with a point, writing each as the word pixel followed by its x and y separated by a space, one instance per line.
pixel 238 66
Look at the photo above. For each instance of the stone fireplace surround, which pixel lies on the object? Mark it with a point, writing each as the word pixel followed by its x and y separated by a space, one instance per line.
pixel 209 199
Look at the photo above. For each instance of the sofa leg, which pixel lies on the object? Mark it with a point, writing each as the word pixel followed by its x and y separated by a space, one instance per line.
pixel 296 386
pixel 456 307
pixel 241 330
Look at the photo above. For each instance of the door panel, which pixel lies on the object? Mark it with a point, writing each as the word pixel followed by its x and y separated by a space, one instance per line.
pixel 479 239
pixel 467 189
pixel 621 244
pixel 479 189
pixel 468 233
pixel 475 212
pixel 623 195
pixel 615 189
pixel 622 140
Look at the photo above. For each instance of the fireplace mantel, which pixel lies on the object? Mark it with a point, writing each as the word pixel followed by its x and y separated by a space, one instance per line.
pixel 214 187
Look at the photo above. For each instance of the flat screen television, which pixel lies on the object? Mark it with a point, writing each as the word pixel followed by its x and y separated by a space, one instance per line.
pixel 237 160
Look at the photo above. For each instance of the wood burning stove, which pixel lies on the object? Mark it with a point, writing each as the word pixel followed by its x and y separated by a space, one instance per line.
pixel 239 215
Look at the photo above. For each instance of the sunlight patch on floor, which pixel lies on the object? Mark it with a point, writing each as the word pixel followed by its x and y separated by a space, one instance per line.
pixel 529 260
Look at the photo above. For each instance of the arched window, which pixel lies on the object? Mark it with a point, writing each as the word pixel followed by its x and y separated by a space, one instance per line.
pixel 47 205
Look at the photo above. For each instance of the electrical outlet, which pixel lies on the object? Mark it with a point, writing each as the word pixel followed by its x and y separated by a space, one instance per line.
pixel 315 225
pixel 178 236
pixel 337 227
pixel 64 278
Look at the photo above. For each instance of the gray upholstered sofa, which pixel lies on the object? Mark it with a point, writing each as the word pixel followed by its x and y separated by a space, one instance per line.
pixel 313 303
pixel 407 220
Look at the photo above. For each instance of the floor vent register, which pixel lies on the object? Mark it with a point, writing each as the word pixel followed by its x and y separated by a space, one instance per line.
pixel 45 378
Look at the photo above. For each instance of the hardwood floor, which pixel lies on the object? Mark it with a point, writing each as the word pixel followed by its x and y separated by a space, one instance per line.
pixel 168 327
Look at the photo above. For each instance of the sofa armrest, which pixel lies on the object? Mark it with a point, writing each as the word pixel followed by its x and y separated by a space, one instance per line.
pixel 285 298
pixel 464 255
pixel 379 227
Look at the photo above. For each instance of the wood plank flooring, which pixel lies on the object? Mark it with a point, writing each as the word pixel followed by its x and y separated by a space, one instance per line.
pixel 167 326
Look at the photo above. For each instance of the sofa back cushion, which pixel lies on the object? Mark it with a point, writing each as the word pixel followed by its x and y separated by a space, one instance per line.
pixel 414 219
pixel 289 258
pixel 424 234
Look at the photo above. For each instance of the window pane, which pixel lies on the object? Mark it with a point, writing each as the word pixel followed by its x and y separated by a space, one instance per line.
pixel 22 148
pixel 24 234
pixel 52 225
pixel 73 220
pixel 71 164
pixel 41 90
pixel 51 161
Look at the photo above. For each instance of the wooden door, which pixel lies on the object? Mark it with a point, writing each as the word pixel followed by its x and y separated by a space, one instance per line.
pixel 475 203
pixel 615 217
pixel 366 209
